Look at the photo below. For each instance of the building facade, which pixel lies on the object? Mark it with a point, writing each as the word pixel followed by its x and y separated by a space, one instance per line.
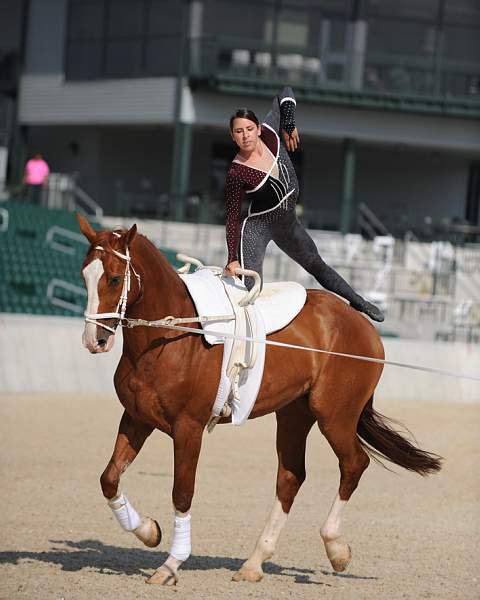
pixel 135 96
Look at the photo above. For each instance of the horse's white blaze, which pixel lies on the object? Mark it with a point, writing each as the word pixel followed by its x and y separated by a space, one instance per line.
pixel 92 274
pixel 331 527
pixel 268 539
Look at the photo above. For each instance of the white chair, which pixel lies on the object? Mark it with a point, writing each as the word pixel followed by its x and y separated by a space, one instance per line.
pixel 290 65
pixel 240 58
pixel 312 68
pixel 262 61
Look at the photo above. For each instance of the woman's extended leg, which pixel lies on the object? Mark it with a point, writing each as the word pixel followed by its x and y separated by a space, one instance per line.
pixel 290 235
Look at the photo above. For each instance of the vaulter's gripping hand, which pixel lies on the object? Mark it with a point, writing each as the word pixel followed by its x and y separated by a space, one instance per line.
pixel 291 140
pixel 230 268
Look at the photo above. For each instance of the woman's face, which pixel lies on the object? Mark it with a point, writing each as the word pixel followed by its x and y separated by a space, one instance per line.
pixel 245 134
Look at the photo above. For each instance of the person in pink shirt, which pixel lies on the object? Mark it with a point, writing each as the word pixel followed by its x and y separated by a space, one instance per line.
pixel 35 177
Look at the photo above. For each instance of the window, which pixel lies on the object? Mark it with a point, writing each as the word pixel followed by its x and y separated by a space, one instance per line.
pixel 408 9
pixel 462 44
pixel 86 20
pixel 399 37
pixel 462 12
pixel 125 19
pixel 244 19
pixel 123 38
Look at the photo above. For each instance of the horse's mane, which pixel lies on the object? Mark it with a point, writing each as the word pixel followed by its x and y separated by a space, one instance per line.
pixel 151 248
pixel 140 243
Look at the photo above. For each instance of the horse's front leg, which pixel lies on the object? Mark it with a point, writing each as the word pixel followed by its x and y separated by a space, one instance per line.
pixel 187 442
pixel 130 439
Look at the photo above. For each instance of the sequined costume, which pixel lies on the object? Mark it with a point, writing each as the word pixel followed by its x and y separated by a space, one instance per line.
pixel 271 212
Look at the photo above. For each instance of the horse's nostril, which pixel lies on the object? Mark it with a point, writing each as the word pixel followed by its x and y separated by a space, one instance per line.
pixel 101 342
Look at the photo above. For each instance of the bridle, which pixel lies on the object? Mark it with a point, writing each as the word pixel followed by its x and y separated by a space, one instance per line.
pixel 119 313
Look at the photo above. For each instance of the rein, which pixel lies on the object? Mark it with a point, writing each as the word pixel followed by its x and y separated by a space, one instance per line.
pixel 170 323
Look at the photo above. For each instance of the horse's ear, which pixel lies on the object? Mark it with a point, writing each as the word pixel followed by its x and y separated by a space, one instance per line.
pixel 130 235
pixel 85 227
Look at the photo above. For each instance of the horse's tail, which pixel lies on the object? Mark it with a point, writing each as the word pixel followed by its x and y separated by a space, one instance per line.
pixel 380 440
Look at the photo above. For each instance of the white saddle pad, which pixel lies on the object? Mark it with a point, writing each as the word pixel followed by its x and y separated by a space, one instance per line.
pixel 279 303
pixel 276 306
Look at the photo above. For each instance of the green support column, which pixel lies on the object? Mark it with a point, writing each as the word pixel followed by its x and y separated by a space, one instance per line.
pixel 182 128
pixel 348 181
pixel 181 167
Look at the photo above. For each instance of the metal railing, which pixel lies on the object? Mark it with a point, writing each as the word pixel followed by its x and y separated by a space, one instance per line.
pixel 55 233
pixel 63 191
pixel 406 82
pixel 5 219
pixel 71 289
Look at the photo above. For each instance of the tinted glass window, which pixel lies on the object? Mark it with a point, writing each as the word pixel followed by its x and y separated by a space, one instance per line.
pixel 399 37
pixel 163 55
pixel 125 18
pixel 462 44
pixel 465 12
pixel 86 20
pixel 123 58
pixel 84 60
pixel 412 9
pixel 235 19
pixel 165 16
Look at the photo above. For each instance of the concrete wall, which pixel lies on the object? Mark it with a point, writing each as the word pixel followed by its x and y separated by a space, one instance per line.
pixel 46 354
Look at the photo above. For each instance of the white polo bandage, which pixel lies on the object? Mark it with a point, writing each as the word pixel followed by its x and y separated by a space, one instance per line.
pixel 182 543
pixel 124 512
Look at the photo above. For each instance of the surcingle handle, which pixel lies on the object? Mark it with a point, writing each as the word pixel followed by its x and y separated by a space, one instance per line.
pixel 253 294
pixel 188 260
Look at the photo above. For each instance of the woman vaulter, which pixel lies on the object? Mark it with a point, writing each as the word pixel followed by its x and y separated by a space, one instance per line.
pixel 263 170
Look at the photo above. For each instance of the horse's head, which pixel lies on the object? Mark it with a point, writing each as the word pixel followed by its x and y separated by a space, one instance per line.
pixel 107 274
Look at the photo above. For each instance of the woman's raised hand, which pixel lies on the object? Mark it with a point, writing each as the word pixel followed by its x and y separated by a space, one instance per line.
pixel 291 140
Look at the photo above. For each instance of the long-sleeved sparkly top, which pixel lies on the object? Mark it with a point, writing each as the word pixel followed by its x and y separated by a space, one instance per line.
pixel 266 192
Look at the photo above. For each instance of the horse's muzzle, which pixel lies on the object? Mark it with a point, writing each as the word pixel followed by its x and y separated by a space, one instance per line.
pixel 94 344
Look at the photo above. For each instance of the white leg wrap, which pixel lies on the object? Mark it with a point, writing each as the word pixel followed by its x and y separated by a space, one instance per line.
pixel 182 543
pixel 124 512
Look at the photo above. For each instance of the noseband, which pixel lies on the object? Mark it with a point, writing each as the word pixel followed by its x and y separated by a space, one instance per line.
pixel 119 314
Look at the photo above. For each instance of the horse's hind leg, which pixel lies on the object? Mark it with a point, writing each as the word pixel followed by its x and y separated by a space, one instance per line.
pixel 341 434
pixel 293 425
pixel 130 439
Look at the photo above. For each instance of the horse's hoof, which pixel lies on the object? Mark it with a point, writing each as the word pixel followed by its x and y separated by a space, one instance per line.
pixel 163 577
pixel 149 532
pixel 246 574
pixel 339 555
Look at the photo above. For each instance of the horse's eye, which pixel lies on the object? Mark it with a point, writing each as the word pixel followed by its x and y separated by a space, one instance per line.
pixel 114 280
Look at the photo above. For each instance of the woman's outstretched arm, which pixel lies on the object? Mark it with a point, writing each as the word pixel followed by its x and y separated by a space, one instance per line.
pixel 281 117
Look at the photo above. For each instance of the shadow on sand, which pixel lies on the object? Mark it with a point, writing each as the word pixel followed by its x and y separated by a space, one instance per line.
pixel 115 560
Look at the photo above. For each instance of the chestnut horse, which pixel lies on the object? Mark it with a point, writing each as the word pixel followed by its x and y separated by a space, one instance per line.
pixel 168 380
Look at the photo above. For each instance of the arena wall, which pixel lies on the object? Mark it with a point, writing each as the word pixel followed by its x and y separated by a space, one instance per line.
pixel 45 354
